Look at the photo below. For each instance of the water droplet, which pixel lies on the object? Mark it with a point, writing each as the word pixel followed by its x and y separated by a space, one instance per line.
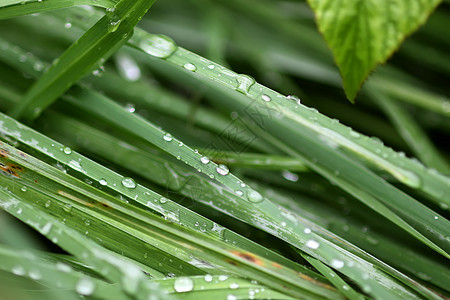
pixel 129 182
pixel 98 72
pixel 35 274
pixel 183 284
pixel 239 193
pixel 46 229
pixel 103 181
pixel 204 160
pixel 211 67
pixel 244 83
pixel 254 196
pixel 158 45
pixel 128 68
pixel 436 217
pixel 222 169
pixel 290 176
pixel 38 66
pixel 283 224
pixel 68 25
pixel 208 278
pixel 312 244
pixel 266 98
pixel 163 200
pixel 85 287
pixel 307 230
pixel 67 150
pixel 23 189
pixel 234 286
pixel 231 297
pixel 294 98
pixel 67 208
pixel 337 264
pixel 223 277
pixel 18 270
pixel 19 211
pixel 168 137
pixel 190 67
pixel 130 108
pixel 63 267
pixel 113 25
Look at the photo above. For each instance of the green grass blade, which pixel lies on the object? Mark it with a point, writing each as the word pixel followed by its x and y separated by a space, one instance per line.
pixel 106 263
pixel 412 133
pixel 338 282
pixel 98 43
pixel 57 275
pixel 15 8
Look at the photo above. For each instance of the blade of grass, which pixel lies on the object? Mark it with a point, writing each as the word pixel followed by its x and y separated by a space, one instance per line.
pixel 411 132
pixel 106 263
pixel 56 275
pixel 98 43
pixel 15 8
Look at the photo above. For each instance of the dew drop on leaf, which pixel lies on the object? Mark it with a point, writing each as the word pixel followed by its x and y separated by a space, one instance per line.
pixel 208 278
pixel 18 270
pixel 254 196
pixel 204 160
pixel 168 137
pixel 234 286
pixel 337 264
pixel 294 98
pixel 312 244
pixel 266 98
pixel 35 274
pixel 190 67
pixel 85 287
pixel 103 181
pixel 222 169
pixel 244 83
pixel 183 284
pixel 129 183
pixel 158 45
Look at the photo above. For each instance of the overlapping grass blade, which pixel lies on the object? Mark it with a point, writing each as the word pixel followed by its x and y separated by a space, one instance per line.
pixel 15 8
pixel 412 133
pixel 98 43
pixel 109 264
pixel 57 275
pixel 149 227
